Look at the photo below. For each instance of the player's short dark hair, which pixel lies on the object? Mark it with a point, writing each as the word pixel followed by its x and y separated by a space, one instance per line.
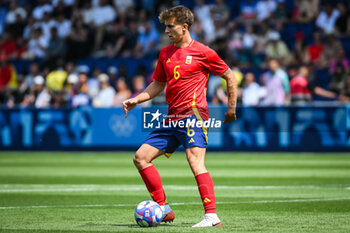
pixel 181 14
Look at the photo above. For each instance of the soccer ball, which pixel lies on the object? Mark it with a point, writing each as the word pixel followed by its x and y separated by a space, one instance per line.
pixel 148 214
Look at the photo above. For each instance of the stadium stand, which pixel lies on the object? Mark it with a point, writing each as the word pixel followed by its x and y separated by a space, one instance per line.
pixel 245 33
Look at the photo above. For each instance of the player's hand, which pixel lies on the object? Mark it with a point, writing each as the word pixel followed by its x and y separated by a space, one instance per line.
pixel 128 105
pixel 230 117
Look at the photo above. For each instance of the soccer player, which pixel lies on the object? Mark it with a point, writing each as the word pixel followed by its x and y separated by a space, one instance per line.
pixel 183 67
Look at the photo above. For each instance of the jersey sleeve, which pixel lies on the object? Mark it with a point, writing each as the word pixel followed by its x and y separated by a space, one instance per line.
pixel 159 73
pixel 214 63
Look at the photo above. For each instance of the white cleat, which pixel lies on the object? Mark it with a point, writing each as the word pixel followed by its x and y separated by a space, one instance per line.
pixel 209 220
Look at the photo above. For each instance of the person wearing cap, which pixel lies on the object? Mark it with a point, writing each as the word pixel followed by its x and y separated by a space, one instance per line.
pixel 277 49
pixel 41 93
pixel 106 94
pixel 71 85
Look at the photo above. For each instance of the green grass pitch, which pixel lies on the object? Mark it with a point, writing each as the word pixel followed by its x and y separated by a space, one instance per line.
pixel 98 192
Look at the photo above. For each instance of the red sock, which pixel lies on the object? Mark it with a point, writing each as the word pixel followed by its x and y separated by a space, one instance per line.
pixel 153 182
pixel 206 190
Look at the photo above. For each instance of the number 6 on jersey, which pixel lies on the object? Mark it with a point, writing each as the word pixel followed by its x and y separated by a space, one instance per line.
pixel 176 73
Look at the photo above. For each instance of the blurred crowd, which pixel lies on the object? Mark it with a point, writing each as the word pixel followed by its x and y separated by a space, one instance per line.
pixel 250 35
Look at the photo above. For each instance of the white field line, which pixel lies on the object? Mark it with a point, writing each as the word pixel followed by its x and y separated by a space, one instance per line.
pixel 179 204
pixel 31 188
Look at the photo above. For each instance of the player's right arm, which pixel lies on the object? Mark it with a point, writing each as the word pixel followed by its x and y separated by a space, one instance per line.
pixel 154 89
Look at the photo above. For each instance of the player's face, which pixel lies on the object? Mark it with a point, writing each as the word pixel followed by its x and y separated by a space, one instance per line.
pixel 175 31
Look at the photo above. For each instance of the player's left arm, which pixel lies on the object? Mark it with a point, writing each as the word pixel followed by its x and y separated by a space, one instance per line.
pixel 231 82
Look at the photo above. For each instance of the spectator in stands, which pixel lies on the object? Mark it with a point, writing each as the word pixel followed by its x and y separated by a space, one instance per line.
pixel 131 35
pixel 122 7
pixel 313 52
pixel 46 24
pixel 248 11
pixel 87 13
pixel 42 7
pixel 8 45
pixel 15 13
pixel 83 75
pixel 16 19
pixel 306 10
pixel 342 24
pixel 112 73
pixel 71 85
pixel 8 75
pixel 81 98
pixel 55 80
pixel 331 49
pixel 56 48
pixel 338 78
pixel 78 41
pixel 63 26
pixel 251 94
pixel 280 14
pixel 28 82
pixel 220 11
pixel 102 15
pixel 37 45
pixel 42 96
pixel 123 92
pixel 248 40
pixel 300 94
pixel 147 40
pixel 196 30
pixel 235 44
pixel 299 48
pixel 70 68
pixel 277 49
pixel 115 38
pixel 202 12
pixel 261 42
pixel 94 83
pixel 63 7
pixel 138 85
pixel 277 85
pixel 29 28
pixel 340 59
pixel 264 9
pixel 327 18
pixel 106 94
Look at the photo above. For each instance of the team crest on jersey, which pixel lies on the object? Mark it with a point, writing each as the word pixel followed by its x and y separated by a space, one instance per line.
pixel 188 60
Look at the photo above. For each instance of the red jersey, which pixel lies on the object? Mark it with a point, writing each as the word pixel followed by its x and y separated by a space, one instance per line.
pixel 186 71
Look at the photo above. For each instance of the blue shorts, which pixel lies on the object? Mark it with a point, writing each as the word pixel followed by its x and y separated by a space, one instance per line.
pixel 169 138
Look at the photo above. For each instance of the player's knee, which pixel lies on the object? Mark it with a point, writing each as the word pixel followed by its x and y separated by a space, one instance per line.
pixel 139 161
pixel 136 160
